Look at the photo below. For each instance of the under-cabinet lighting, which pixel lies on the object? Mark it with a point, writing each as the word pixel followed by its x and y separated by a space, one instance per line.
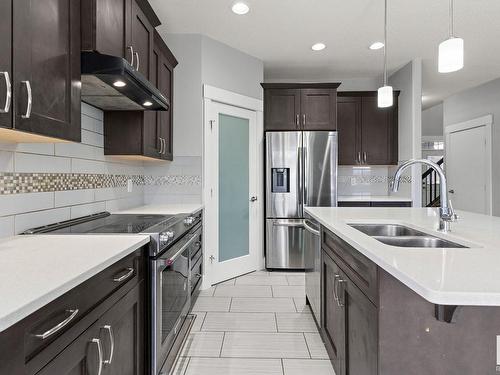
pixel 119 84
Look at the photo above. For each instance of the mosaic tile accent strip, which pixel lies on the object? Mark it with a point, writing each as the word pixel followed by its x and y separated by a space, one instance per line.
pixel 20 183
pixel 372 179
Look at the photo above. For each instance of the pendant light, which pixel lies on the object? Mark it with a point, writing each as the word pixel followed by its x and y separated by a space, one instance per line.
pixel 451 51
pixel 385 95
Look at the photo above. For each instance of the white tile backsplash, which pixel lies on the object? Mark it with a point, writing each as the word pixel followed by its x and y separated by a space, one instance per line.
pixel 6 226
pixel 6 161
pixel 19 203
pixel 74 197
pixel 25 163
pixel 36 219
pixel 363 180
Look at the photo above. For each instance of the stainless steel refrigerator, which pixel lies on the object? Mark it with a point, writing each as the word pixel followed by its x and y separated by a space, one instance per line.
pixel 301 171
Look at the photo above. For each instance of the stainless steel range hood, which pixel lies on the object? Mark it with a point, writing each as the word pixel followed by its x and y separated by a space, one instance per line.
pixel 112 84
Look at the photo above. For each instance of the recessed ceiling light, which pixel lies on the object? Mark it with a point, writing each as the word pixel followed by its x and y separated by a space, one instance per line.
pixel 377 45
pixel 147 103
pixel 318 46
pixel 119 84
pixel 240 8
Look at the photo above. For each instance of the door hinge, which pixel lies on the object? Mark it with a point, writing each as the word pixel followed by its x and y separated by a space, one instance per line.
pixel 211 124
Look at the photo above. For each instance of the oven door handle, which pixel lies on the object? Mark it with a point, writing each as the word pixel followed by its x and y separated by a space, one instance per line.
pixel 183 248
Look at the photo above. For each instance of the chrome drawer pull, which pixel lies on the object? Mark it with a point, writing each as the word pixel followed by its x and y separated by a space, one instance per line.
pixel 8 92
pixel 59 326
pixel 99 353
pixel 30 100
pixel 125 276
pixel 112 344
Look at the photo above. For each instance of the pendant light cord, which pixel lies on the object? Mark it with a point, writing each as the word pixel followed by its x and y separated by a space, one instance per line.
pixel 385 42
pixel 452 26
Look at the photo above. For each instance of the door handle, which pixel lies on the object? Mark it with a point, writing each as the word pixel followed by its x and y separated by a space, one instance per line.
pixel 131 49
pixel 138 62
pixel 30 100
pixel 253 199
pixel 291 225
pixel 297 121
pixel 304 119
pixel 451 191
pixel 125 276
pixel 97 342
pixel 364 157
pixel 310 229
pixel 340 301
pixel 111 343
pixel 358 159
pixel 161 145
pixel 335 295
pixel 8 93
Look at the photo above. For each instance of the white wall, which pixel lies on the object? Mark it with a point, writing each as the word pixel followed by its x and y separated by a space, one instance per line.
pixel 432 121
pixel 21 211
pixel 202 60
pixel 408 80
pixel 473 103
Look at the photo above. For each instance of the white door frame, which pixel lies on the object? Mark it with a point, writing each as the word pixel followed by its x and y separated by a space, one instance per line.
pixel 213 95
pixel 487 122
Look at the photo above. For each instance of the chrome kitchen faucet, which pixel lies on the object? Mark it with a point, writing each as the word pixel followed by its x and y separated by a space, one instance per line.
pixel 446 212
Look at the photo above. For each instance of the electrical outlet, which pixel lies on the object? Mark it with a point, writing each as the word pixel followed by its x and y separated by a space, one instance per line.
pixel 130 186
pixel 353 181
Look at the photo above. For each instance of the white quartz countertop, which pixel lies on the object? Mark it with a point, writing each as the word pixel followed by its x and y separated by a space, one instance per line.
pixel 441 276
pixel 372 198
pixel 35 270
pixel 164 209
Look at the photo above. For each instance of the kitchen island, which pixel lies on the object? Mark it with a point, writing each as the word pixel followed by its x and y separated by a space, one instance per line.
pixel 409 310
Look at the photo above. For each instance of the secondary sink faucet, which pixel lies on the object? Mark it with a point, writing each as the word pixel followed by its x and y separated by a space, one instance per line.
pixel 446 212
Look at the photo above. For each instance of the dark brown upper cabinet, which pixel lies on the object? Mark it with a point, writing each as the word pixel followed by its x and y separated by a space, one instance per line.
pixel 122 28
pixel 300 106
pixel 149 134
pixel 43 76
pixel 368 135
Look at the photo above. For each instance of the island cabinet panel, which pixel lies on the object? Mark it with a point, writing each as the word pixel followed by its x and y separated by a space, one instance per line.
pixel 300 106
pixel 395 330
pixel 44 76
pixel 110 305
pixel 368 135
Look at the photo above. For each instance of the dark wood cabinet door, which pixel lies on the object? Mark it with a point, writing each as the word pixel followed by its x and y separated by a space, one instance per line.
pixel 333 329
pixel 377 133
pixel 165 85
pixel 151 134
pixel 349 130
pixel 106 27
pixel 282 109
pixel 81 357
pixel 5 63
pixel 46 61
pixel 318 109
pixel 361 329
pixel 124 324
pixel 142 33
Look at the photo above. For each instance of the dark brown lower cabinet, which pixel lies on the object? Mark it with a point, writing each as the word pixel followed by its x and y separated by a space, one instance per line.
pixel 350 323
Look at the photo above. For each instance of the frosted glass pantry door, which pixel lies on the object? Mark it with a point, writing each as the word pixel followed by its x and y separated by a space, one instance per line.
pixel 231 222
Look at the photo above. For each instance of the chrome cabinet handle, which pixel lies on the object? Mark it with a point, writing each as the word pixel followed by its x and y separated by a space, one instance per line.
pixel 358 159
pixel 138 62
pixel 335 296
pixel 293 225
pixel 164 146
pixel 304 119
pixel 131 49
pixel 364 157
pixel 119 279
pixel 58 326
pixel 340 300
pixel 8 93
pixel 112 344
pixel 99 353
pixel 30 100
pixel 297 121
pixel 161 145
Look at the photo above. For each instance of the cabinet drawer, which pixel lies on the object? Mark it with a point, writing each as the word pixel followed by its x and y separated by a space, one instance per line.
pixel 50 329
pixel 357 267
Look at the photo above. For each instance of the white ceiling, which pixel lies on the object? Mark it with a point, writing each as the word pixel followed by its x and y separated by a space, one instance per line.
pixel 281 32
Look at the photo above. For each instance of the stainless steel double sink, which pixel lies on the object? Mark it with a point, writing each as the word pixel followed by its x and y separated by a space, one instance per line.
pixel 402 236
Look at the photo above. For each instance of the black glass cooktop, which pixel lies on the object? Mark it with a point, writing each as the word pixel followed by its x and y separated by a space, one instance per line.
pixel 121 223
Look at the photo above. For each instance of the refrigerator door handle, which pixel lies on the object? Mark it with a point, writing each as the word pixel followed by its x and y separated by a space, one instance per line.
pixel 293 225
pixel 300 176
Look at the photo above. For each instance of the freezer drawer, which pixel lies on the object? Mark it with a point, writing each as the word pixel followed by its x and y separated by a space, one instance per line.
pixel 285 243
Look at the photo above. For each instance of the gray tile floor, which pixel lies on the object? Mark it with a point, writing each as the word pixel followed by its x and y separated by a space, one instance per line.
pixel 257 324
